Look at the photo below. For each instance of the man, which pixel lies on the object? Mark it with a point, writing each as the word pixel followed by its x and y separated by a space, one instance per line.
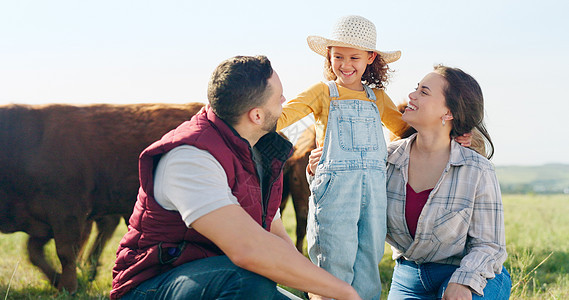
pixel 206 222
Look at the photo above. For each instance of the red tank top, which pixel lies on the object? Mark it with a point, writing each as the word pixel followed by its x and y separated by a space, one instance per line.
pixel 413 206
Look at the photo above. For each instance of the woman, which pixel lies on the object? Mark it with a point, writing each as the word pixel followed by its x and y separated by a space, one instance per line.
pixel 445 220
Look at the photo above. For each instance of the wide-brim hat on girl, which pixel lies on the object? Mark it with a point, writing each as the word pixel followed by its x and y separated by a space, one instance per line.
pixel 352 32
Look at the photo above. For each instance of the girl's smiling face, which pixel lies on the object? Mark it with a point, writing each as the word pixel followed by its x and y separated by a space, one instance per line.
pixel 349 65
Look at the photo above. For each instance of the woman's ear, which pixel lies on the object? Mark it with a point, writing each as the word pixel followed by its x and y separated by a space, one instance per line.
pixel 448 116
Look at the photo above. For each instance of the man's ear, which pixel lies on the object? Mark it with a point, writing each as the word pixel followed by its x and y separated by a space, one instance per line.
pixel 256 116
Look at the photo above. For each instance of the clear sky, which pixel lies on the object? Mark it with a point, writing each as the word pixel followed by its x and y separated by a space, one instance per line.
pixel 164 51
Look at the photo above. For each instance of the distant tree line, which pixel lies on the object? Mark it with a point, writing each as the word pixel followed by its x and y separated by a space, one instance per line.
pixel 544 179
pixel 532 188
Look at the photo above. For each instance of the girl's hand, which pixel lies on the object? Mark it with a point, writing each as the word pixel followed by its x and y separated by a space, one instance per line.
pixel 313 160
pixel 465 140
pixel 455 291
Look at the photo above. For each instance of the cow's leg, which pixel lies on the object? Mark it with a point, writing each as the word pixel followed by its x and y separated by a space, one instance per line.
pixel 70 234
pixel 126 218
pixel 67 256
pixel 300 203
pixel 300 193
pixel 106 226
pixel 37 258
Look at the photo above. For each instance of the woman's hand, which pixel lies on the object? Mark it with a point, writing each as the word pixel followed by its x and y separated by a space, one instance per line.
pixel 313 160
pixel 455 291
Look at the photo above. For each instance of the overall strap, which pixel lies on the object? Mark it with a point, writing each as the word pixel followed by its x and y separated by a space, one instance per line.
pixel 369 92
pixel 333 89
pixel 335 94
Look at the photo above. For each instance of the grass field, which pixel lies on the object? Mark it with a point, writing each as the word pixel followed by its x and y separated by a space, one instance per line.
pixel 536 229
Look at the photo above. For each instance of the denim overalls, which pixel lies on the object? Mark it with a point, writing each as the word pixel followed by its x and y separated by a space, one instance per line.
pixel 347 206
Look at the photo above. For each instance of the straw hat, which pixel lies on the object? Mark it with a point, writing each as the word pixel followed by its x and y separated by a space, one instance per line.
pixel 353 32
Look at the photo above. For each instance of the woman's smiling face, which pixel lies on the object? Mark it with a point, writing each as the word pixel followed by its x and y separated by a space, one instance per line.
pixel 427 104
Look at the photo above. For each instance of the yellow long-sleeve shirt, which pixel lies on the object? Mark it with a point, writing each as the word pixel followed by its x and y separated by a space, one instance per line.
pixel 317 100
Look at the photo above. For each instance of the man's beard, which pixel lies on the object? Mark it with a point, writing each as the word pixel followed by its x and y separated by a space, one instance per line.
pixel 271 123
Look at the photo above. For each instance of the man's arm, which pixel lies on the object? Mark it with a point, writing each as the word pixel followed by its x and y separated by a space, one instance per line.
pixel 251 247
pixel 278 229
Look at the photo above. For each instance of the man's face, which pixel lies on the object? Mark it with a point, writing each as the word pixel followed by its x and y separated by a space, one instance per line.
pixel 273 107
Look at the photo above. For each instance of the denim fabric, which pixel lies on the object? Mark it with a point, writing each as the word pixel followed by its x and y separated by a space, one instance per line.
pixel 209 278
pixel 347 206
pixel 429 281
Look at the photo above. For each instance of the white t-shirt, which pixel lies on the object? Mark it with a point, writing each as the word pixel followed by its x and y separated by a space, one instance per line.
pixel 191 181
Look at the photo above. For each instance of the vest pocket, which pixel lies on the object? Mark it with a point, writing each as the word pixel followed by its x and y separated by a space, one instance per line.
pixel 358 133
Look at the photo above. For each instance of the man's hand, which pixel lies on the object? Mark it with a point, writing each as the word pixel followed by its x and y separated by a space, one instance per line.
pixel 317 297
pixel 251 247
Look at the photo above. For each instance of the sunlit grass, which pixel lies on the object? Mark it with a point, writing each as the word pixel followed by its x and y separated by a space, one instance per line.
pixel 536 226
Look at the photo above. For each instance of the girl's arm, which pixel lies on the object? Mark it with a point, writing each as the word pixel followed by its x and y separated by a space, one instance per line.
pixel 309 101
pixel 391 116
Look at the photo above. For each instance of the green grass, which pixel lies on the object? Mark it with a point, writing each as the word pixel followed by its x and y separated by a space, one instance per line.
pixel 536 226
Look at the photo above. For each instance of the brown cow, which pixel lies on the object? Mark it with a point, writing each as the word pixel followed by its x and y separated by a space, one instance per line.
pixel 64 167
pixel 295 183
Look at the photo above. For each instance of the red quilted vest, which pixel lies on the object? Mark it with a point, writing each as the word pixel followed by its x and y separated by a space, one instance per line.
pixel 157 239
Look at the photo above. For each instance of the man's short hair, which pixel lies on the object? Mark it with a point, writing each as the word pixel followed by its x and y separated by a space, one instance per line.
pixel 238 85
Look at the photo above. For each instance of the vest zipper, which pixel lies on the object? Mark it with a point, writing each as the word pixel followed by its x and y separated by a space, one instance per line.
pixel 265 200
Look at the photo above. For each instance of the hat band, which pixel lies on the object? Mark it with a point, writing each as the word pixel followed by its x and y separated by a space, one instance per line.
pixel 351 41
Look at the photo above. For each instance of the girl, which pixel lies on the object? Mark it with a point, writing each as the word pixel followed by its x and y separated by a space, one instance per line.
pixel 346 218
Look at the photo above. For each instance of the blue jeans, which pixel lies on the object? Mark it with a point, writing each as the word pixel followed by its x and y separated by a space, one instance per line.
pixel 429 281
pixel 209 278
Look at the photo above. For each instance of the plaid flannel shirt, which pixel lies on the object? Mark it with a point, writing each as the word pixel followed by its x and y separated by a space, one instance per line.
pixel 462 222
